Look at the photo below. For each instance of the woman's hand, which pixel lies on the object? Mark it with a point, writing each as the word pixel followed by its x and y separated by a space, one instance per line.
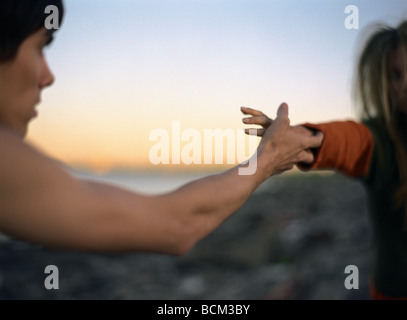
pixel 282 145
pixel 259 118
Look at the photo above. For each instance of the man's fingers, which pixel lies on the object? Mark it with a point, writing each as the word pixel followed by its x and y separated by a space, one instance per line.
pixel 282 110
pixel 314 141
pixel 306 156
pixel 282 122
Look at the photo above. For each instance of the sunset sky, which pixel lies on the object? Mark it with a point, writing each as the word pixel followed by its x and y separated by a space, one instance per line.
pixel 126 67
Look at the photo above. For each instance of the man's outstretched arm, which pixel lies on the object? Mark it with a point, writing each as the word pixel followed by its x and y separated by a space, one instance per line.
pixel 42 203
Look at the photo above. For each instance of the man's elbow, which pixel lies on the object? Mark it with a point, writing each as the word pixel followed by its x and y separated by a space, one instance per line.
pixel 184 238
pixel 180 250
pixel 182 245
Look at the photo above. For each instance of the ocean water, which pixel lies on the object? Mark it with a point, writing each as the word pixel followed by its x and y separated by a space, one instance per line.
pixel 158 182
pixel 146 182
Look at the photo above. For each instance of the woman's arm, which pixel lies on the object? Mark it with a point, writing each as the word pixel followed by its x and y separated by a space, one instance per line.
pixel 42 203
pixel 347 147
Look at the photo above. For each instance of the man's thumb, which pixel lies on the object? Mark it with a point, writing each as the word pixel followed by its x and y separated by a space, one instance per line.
pixel 282 110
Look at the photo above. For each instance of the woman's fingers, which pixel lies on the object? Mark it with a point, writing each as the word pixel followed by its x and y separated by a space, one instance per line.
pixel 254 132
pixel 253 112
pixel 259 120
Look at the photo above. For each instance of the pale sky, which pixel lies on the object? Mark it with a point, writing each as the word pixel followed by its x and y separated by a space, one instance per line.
pixel 126 67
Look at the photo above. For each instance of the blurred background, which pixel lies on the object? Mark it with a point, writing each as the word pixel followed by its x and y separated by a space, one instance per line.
pixel 124 68
pixel 292 239
pixel 127 67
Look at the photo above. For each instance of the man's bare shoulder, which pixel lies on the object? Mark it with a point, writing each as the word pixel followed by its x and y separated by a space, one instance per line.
pixel 21 163
pixel 15 151
pixel 27 176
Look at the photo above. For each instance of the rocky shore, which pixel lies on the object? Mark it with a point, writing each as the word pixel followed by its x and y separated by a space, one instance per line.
pixel 291 240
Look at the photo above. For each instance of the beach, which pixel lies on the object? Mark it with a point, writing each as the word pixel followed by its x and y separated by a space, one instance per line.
pixel 292 239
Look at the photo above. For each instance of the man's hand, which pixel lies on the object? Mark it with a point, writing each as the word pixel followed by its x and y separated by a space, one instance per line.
pixel 282 145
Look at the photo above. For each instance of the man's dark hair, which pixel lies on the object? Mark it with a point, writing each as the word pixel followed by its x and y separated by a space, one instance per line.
pixel 21 18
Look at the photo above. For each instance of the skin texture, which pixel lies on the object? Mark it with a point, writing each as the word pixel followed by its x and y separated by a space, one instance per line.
pixel 44 204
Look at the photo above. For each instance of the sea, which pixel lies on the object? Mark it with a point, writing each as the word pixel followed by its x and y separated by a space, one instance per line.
pixel 145 182
pixel 151 182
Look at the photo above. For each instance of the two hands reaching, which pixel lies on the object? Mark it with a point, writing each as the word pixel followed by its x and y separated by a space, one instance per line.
pixel 291 144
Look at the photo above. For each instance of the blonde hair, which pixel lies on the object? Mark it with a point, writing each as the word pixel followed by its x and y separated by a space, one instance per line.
pixel 372 92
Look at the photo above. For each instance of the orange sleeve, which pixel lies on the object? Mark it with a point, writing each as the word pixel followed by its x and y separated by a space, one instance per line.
pixel 347 147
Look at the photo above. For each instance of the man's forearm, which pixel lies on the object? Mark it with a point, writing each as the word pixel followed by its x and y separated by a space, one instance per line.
pixel 173 222
pixel 207 202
